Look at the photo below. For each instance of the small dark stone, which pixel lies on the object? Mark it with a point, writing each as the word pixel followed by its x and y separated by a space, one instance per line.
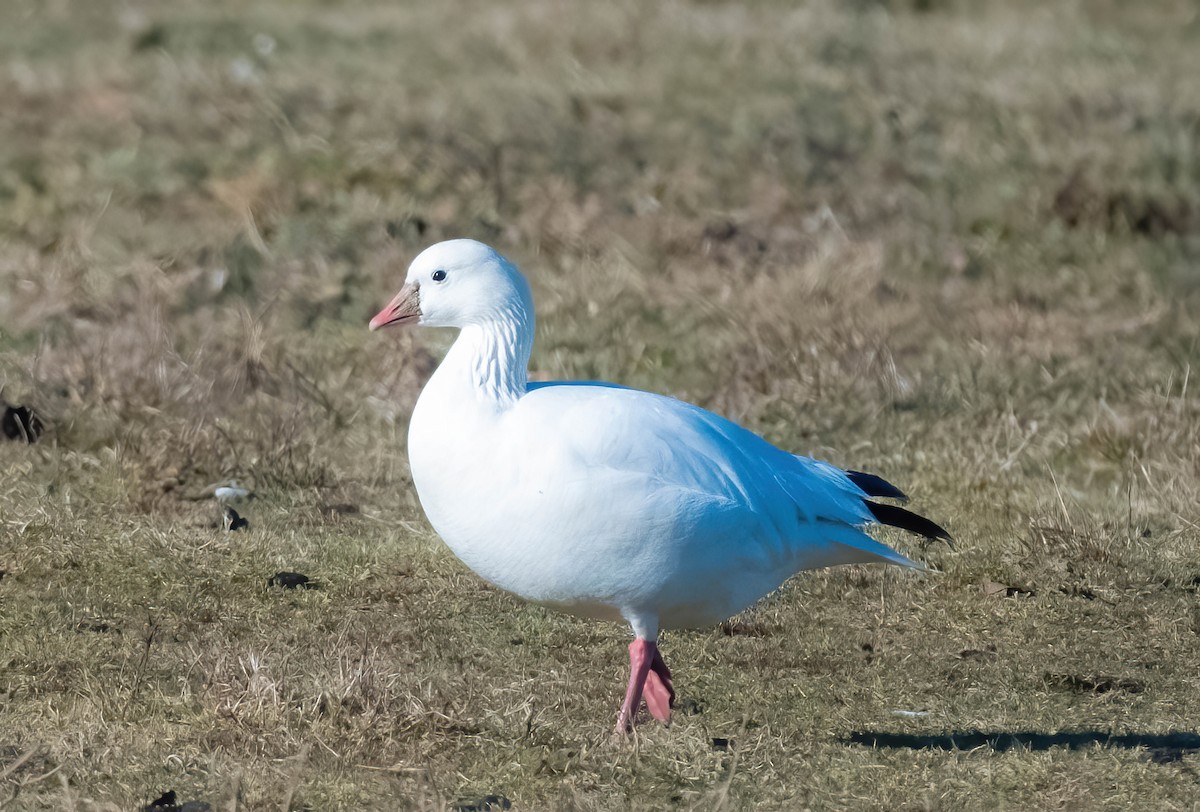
pixel 163 803
pixel 233 521
pixel 291 580
pixel 21 423
pixel 169 802
pixel 153 36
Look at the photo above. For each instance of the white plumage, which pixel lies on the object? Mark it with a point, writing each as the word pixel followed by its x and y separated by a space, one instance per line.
pixel 603 501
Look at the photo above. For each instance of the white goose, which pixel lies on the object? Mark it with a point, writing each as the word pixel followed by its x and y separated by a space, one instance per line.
pixel 608 502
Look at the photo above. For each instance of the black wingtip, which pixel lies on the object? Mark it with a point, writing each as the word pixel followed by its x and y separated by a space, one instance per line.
pixel 907 520
pixel 873 485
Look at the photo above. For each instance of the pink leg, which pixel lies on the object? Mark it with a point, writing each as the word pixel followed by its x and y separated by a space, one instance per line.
pixel 648 675
pixel 659 692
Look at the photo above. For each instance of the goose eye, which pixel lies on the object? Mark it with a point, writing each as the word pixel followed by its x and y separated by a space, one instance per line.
pixel 439 275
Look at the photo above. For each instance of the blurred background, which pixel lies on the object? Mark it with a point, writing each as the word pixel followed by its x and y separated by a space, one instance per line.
pixel 956 243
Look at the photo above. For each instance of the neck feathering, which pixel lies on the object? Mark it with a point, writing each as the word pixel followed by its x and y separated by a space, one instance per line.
pixel 495 354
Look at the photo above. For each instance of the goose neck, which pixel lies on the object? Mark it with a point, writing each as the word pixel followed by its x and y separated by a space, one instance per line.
pixel 494 355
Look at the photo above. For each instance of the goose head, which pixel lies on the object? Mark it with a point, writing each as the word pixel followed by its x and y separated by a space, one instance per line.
pixel 459 283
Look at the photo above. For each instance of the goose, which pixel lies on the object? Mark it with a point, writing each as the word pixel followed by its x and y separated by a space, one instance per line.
pixel 607 502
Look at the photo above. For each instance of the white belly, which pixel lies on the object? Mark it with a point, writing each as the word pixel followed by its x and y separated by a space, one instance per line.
pixel 569 544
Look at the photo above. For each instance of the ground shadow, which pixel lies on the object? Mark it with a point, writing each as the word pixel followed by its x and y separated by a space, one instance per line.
pixel 1163 747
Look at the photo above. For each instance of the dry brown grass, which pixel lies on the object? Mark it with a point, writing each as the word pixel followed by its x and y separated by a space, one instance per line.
pixel 953 243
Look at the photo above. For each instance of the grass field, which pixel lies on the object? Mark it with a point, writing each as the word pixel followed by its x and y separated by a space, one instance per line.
pixel 954 243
